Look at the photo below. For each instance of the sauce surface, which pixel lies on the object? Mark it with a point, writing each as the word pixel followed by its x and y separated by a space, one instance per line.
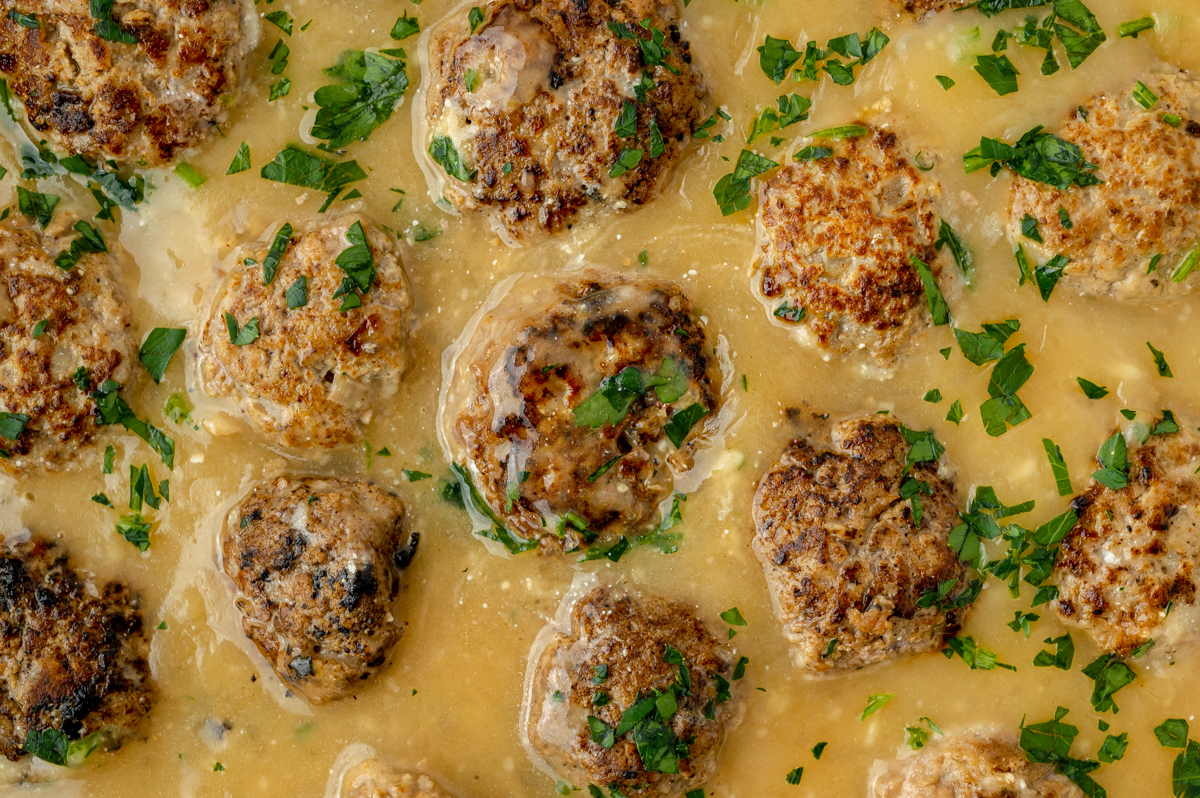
pixel 449 704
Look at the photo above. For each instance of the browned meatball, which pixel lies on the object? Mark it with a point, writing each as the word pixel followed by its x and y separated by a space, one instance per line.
pixel 1133 553
pixel 527 404
pixel 603 673
pixel 971 765
pixel 139 103
pixel 1148 206
pixel 544 105
pixel 315 562
pixel 923 8
pixel 375 778
pixel 842 555
pixel 312 375
pixel 72 653
pixel 835 245
pixel 84 324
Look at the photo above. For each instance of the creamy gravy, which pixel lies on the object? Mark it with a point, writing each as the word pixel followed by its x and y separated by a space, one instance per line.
pixel 450 702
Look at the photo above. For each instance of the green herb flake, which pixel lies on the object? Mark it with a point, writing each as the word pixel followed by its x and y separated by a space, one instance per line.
pixel 36 206
pixel 939 311
pixel 1062 657
pixel 945 82
pixel 733 617
pixel 279 245
pixel 793 777
pixel 1143 96
pixel 955 414
pixel 1160 361
pixel 297 293
pixel 190 174
pixel 241 161
pixel 475 18
pixel 281 20
pixel 159 347
pixel 1172 733
pixel 1134 27
pixel 1109 674
pixel 933 397
pixel 875 702
pixel 405 26
pixel 442 150
pixel 248 334
pixel 1090 389
pixel 998 72
pixel 1058 467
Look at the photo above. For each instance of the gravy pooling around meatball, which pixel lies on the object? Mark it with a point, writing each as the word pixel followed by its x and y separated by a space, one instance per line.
pixel 577 404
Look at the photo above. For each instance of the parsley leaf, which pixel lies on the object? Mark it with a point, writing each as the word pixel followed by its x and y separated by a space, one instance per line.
pixel 241 161
pixel 405 26
pixel 89 240
pixel 442 150
pixel 1109 674
pixel 998 72
pixel 987 345
pixel 949 237
pixel 281 20
pixel 356 260
pixel 159 347
pixel 1038 156
pixel 1114 462
pixel 680 423
pixel 1172 733
pixel 1160 362
pixel 938 309
pixel 247 335
pixel 112 409
pixel 49 745
pixel 1090 389
pixel 295 167
pixel 279 245
pixel 297 293
pixel 1058 467
pixel 371 85
pixel 37 206
pixel 1134 27
pixel 875 702
pixel 1062 657
pixel 732 191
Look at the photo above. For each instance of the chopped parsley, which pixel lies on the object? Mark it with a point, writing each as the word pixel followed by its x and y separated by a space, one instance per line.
pixel 112 409
pixel 1172 733
pixel 998 72
pixel 297 293
pixel 190 174
pixel 1050 742
pixel 39 207
pixel 789 313
pixel 681 422
pixel 1113 748
pixel 370 85
pixel 776 57
pixel 949 237
pixel 812 153
pixel 295 167
pixel 1109 674
pixel 106 27
pixel 875 702
pixel 442 150
pixel 24 20
pixel 794 775
pixel 280 19
pixel 788 110
pixel 1090 389
pixel 1160 361
pixel 955 414
pixel 159 347
pixel 616 394
pixel 974 655
pixel 945 82
pixel 933 397
pixel 1064 653
pixel 1021 622
pixel 938 309
pixel 241 161
pixel 1058 467
pixel 733 617
pixel 405 26
pixel 1038 156
pixel 474 503
pixel 248 334
pixel 628 159
pixel 89 240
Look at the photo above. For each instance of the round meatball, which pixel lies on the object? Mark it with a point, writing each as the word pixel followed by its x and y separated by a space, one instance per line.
pixel 578 404
pixel 971 765
pixel 844 556
pixel 542 110
pixel 72 653
pixel 374 778
pixel 1134 553
pixel 1148 207
pixel 315 562
pixel 63 332
pixel 159 82
pixel 608 702
pixel 311 348
pixel 836 239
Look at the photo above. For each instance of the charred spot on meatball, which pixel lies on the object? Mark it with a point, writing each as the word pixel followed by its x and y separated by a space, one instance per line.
pixel 635 695
pixel 542 111
pixel 314 564
pixel 327 348
pixel 578 403
pixel 837 239
pixel 63 332
pixel 72 654
pixel 1127 570
pixel 163 88
pixel 1146 210
pixel 843 551
pixel 971 765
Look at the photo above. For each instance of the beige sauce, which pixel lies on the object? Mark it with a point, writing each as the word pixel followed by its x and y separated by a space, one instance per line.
pixel 450 703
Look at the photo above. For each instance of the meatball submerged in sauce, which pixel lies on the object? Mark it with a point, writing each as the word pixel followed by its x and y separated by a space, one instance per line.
pixel 579 403
pixel 158 81
pixel 1133 235
pixel 308 330
pixel 836 241
pixel 844 554
pixel 315 562
pixel 540 110
pixel 1128 571
pixel 374 778
pixel 63 333
pixel 971 765
pixel 629 693
pixel 72 654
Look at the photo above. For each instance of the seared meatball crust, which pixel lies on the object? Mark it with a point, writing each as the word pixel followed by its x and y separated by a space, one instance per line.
pixel 374 778
pixel 924 8
pixel 315 563
pixel 527 368
pixel 842 556
pixel 72 654
pixel 1148 204
pixel 87 327
pixel 312 376
pixel 1133 553
pixel 836 238
pixel 971 765
pixel 614 648
pixel 538 131
pixel 139 104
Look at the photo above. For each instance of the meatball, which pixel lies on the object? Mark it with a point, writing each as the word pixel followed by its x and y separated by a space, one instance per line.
pixel 608 703
pixel 542 111
pixel 971 765
pixel 836 239
pixel 845 561
pixel 1145 213
pixel 1133 553
pixel 325 346
pixel 374 778
pixel 72 653
pixel 578 404
pixel 315 562
pixel 63 332
pixel 160 81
